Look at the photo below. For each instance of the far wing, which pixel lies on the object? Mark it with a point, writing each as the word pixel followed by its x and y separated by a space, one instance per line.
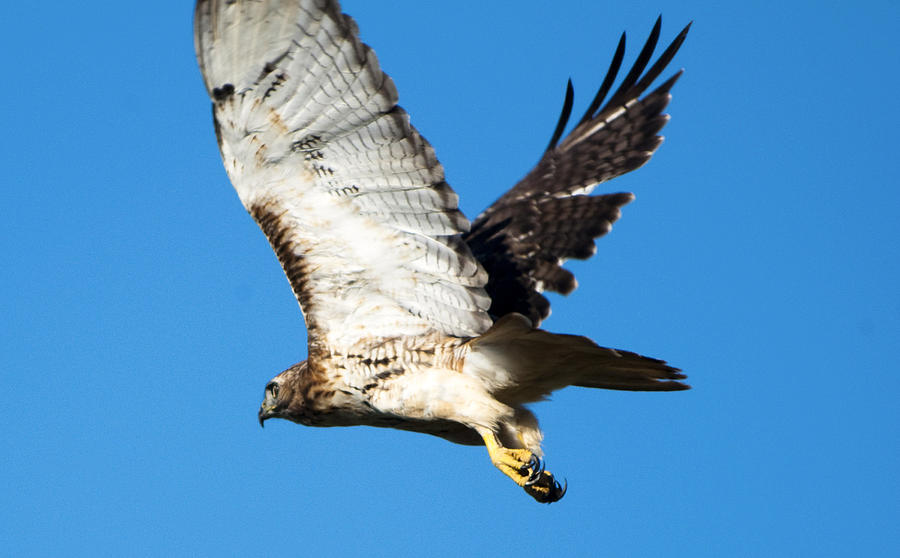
pixel 524 237
pixel 350 196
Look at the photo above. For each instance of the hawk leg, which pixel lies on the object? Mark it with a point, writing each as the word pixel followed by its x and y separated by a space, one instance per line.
pixel 525 469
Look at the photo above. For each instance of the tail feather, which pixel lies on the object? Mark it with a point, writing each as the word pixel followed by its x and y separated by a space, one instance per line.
pixel 602 367
pixel 629 371
pixel 530 363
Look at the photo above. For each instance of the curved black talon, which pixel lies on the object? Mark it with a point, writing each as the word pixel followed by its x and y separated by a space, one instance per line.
pixel 528 467
pixel 536 468
pixel 558 491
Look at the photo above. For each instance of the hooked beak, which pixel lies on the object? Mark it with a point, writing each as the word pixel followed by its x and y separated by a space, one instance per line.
pixel 264 413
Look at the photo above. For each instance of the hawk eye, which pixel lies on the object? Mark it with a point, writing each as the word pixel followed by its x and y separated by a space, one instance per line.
pixel 273 389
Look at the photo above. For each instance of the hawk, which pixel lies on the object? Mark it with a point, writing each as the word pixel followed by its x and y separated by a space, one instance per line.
pixel 418 319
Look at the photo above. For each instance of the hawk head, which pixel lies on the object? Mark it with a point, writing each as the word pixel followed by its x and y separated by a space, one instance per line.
pixel 284 397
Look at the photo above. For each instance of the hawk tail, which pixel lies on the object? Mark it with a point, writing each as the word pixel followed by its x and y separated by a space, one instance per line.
pixel 538 362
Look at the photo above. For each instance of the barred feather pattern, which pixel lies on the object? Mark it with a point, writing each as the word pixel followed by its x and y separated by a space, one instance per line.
pixel 525 237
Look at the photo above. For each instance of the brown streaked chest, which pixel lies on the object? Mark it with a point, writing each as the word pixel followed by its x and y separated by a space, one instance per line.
pixel 358 371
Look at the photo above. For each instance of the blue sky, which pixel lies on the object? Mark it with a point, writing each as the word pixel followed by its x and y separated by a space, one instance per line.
pixel 144 312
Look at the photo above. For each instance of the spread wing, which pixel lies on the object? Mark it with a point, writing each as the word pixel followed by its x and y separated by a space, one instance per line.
pixel 524 237
pixel 350 196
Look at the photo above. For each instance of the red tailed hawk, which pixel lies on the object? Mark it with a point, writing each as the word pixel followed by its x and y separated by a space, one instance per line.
pixel 417 319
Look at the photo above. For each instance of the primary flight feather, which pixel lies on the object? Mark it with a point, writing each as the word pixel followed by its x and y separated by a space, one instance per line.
pixel 417 319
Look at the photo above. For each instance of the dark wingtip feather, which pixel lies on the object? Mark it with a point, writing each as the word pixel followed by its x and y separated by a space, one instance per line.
pixel 563 116
pixel 608 81
pixel 663 60
pixel 667 85
pixel 638 68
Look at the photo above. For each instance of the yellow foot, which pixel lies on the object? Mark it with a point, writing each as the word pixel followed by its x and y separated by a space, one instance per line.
pixel 525 469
